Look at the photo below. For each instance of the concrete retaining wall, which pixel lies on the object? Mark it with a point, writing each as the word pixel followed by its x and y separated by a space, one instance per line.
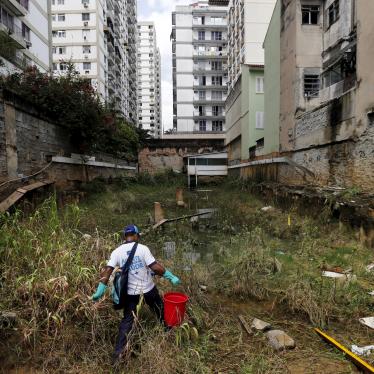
pixel 28 143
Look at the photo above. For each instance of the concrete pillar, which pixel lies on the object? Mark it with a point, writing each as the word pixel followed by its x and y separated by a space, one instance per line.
pixel 159 213
pixel 11 140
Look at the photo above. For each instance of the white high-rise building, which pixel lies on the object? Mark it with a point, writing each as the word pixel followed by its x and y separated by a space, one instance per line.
pixel 24 34
pixel 97 36
pixel 199 41
pixel 149 80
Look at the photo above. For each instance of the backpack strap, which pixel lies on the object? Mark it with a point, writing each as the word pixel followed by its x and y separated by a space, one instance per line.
pixel 130 258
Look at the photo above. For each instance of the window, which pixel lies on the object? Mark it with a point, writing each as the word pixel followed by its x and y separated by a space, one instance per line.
pixel 25 32
pixel 54 66
pixel 216 35
pixel 260 85
pixel 86 65
pixel 54 50
pixel 201 35
pixel 217 111
pixel 202 95
pixel 216 20
pixel 202 81
pixel 217 126
pixel 61 2
pixel 54 34
pixel 6 19
pixel 216 81
pixel 87 49
pixel 59 34
pixel 61 17
pixel 216 65
pixel 85 34
pixel 85 16
pixel 202 125
pixel 333 12
pixel 311 85
pixel 310 14
pixel 85 2
pixel 216 95
pixel 61 50
pixel 63 66
pixel 259 120
pixel 260 143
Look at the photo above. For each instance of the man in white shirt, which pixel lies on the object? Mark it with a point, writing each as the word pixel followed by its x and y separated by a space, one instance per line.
pixel 140 282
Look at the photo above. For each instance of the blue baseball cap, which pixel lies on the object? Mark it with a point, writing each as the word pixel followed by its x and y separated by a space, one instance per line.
pixel 131 230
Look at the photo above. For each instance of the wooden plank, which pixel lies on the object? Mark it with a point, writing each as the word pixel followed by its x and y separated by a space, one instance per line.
pixel 245 325
pixel 159 224
pixel 19 193
pixel 11 200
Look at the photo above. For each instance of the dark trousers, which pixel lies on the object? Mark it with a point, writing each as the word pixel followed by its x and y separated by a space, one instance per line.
pixel 153 300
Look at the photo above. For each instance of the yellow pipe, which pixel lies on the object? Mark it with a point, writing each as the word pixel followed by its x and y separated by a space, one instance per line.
pixel 357 360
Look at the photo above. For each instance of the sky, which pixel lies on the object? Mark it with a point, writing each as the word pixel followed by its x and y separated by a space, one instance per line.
pixel 159 11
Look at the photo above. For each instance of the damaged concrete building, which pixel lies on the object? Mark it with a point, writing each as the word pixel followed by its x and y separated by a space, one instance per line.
pixel 325 94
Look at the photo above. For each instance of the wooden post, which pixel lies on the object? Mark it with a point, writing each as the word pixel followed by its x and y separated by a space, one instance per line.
pixel 159 213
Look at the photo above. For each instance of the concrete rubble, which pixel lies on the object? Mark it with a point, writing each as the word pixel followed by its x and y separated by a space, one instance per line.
pixel 260 325
pixel 362 351
pixel 279 340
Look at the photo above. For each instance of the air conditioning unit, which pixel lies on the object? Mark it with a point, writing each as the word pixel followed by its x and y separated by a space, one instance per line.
pixel 85 37
pixel 86 57
pixel 85 5
pixel 28 44
pixel 85 23
pixel 87 72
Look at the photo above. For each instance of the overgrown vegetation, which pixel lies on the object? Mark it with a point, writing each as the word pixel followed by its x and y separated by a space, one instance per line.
pixel 258 266
pixel 71 101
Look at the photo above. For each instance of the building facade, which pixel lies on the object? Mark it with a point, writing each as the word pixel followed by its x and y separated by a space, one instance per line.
pixel 199 45
pixel 320 80
pixel 149 80
pixel 99 38
pixel 24 35
pixel 248 22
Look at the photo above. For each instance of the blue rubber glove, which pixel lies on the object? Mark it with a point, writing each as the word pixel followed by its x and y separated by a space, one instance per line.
pixel 175 281
pixel 100 292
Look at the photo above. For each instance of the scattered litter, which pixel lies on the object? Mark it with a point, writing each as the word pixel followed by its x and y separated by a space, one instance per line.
pixel 7 319
pixel 362 351
pixel 203 288
pixel 332 274
pixel 370 267
pixel 260 325
pixel 371 293
pixel 369 322
pixel 279 340
pixel 87 237
pixel 267 208
pixel 281 253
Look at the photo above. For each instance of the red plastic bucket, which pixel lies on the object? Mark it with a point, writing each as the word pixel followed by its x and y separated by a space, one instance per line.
pixel 174 308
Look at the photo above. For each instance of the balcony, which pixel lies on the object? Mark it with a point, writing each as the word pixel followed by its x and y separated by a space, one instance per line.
pixel 19 8
pixel 209 55
pixel 14 33
pixel 209 115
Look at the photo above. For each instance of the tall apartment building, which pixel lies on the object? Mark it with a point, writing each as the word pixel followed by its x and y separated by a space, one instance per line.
pixel 98 37
pixel 149 80
pixel 248 23
pixel 24 34
pixel 199 42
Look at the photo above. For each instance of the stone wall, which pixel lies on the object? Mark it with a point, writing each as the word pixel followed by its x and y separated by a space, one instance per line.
pixel 28 143
pixel 162 155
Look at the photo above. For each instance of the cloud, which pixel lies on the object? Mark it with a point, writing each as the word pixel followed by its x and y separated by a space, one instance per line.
pixel 159 11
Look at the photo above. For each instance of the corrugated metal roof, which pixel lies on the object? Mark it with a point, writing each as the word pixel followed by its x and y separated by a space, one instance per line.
pixel 219 2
